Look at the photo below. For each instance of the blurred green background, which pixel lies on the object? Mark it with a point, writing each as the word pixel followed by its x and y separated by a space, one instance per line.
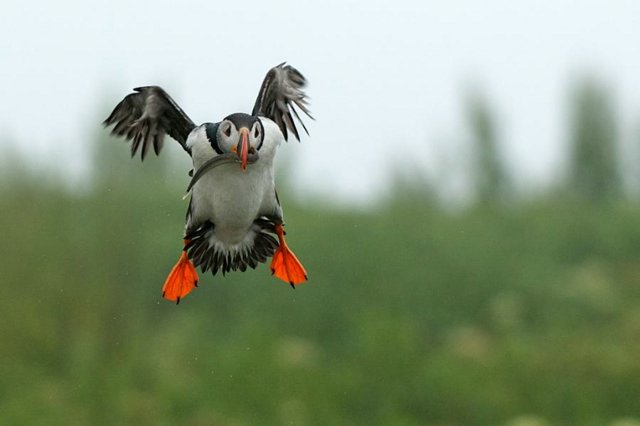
pixel 513 308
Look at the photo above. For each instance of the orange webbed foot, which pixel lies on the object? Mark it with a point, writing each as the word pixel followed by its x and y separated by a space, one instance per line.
pixel 284 264
pixel 181 280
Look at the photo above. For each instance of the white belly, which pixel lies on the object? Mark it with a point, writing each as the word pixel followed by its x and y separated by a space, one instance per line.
pixel 230 198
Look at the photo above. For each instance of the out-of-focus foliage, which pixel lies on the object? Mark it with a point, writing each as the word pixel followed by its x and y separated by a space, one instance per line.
pixel 490 176
pixel 594 168
pixel 521 314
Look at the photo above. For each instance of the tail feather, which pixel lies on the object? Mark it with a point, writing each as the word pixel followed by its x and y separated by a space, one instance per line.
pixel 205 253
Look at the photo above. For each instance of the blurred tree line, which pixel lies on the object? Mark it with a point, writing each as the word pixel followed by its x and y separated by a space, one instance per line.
pixel 593 171
pixel 505 312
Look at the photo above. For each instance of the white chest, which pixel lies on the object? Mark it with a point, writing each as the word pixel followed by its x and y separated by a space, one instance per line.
pixel 228 196
pixel 231 198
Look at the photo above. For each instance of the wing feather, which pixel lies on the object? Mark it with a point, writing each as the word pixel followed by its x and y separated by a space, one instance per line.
pixel 281 92
pixel 145 116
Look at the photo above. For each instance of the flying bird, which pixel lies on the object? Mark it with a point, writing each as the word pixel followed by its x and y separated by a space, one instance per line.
pixel 234 220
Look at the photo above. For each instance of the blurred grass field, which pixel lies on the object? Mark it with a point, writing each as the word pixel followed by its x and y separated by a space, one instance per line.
pixel 411 315
pixel 524 313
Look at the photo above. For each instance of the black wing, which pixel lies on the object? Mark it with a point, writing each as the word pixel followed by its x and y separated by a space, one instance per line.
pixel 280 93
pixel 145 116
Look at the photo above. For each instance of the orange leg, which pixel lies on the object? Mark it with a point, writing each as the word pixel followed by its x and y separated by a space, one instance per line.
pixel 181 280
pixel 285 265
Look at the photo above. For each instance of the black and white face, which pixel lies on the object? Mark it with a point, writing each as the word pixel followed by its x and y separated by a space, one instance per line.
pixel 241 134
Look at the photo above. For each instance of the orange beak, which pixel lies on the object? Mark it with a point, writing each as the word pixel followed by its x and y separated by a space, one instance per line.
pixel 242 149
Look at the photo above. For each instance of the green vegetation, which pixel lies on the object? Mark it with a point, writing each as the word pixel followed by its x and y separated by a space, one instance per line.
pixel 594 169
pixel 489 172
pixel 507 314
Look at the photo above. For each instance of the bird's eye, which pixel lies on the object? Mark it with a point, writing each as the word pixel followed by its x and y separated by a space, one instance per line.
pixel 227 130
pixel 256 134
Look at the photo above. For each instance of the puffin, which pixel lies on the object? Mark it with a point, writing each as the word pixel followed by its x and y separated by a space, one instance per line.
pixel 234 219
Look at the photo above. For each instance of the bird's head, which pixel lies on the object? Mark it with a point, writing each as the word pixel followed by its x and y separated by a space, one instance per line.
pixel 241 134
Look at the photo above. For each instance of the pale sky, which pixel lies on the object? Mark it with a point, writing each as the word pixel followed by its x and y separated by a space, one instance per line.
pixel 387 79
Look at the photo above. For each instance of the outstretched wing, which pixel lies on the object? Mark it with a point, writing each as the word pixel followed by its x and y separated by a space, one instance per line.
pixel 280 94
pixel 145 116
